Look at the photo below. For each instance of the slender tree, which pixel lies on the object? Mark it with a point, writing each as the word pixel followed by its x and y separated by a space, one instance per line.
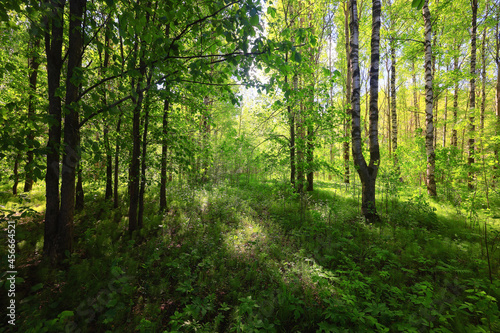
pixel 394 113
pixel 454 132
pixel 429 100
pixel 472 95
pixel 348 93
pixel 33 65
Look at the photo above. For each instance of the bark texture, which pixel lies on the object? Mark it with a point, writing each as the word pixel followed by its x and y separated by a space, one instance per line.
pixel 429 100
pixel 54 23
pixel 71 154
pixel 348 96
pixel 33 64
pixel 164 152
pixel 367 173
pixel 472 96
pixel 394 114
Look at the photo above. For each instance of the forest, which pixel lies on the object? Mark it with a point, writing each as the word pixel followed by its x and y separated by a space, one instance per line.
pixel 250 165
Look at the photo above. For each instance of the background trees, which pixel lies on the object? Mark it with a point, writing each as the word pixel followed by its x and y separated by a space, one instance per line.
pixel 145 94
pixel 194 157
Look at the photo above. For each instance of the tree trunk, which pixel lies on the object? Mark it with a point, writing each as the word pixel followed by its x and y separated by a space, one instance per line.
pixel 393 106
pixel 291 117
pixel 205 135
pixel 416 107
pixel 429 99
pixel 109 167
pixel 164 145
pixel 348 95
pixel 53 48
pixel 445 116
pixel 454 133
pixel 300 140
pixel 164 151
pixel 310 158
pixel 134 177
pixel 483 83
pixel 16 173
pixel 80 198
pixel 33 64
pixel 497 99
pixel 472 96
pixel 367 173
pixel 142 189
pixel 71 154
pixel 117 153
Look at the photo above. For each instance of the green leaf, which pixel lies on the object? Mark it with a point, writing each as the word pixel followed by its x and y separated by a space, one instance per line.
pixel 66 314
pixel 271 11
pixel 254 20
pixel 297 57
pixel 418 4
pixel 37 287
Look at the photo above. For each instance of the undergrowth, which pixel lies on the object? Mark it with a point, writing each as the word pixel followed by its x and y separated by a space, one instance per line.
pixel 257 258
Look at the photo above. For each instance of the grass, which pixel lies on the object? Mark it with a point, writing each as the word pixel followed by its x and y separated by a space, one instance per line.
pixel 256 258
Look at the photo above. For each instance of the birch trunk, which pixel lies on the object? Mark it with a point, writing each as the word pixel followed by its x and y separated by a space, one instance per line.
pixel 348 96
pixel 429 99
pixel 393 106
pixel 472 96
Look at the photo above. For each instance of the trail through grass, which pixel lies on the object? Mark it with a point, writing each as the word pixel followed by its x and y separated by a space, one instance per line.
pixel 247 258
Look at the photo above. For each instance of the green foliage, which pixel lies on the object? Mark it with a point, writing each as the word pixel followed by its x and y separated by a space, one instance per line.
pixel 241 259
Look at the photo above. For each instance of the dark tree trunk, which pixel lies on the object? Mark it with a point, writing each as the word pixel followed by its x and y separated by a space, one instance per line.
pixel 429 100
pixel 164 152
pixel 71 154
pixel 134 177
pixel 80 198
pixel 16 173
pixel 142 189
pixel 117 156
pixel 109 167
pixel 164 145
pixel 300 140
pixel 53 49
pixel 367 173
pixel 33 64
pixel 291 120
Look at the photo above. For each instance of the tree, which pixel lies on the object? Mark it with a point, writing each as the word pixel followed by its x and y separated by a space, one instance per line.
pixel 33 65
pixel 367 172
pixel 472 95
pixel 53 24
pixel 429 100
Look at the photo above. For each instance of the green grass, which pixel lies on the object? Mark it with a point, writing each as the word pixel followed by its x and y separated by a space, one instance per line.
pixel 256 258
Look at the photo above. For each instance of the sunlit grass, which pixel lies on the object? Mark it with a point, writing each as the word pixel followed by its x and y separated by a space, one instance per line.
pixel 246 256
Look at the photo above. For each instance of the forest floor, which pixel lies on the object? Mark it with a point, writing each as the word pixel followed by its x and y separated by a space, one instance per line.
pixel 253 257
